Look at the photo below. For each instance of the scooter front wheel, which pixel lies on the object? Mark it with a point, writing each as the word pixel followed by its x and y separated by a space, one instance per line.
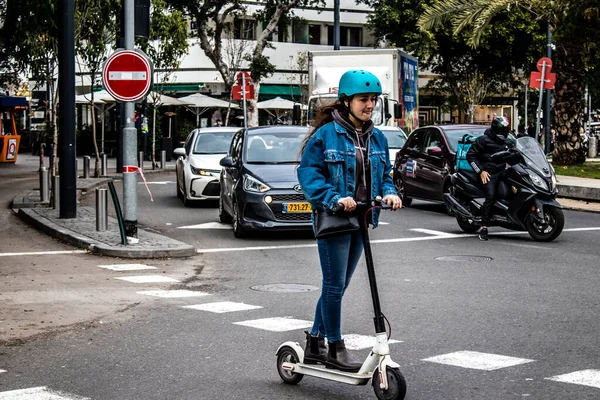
pixel 287 354
pixel 396 385
pixel 548 229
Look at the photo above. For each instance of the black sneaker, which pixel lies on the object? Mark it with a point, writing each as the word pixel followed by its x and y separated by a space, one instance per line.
pixel 483 234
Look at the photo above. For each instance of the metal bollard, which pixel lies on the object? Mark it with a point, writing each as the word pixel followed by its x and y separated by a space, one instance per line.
pixel 104 165
pixel 592 146
pixel 86 167
pixel 56 192
pixel 101 209
pixel 141 159
pixel 44 185
pixel 163 159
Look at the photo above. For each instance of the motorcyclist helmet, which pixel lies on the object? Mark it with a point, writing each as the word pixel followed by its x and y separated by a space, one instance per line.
pixel 358 81
pixel 500 127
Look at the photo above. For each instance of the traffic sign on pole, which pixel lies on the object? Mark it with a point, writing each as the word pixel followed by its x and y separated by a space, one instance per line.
pixel 127 75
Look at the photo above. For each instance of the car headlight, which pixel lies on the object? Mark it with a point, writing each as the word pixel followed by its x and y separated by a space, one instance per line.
pixel 537 181
pixel 200 171
pixel 252 184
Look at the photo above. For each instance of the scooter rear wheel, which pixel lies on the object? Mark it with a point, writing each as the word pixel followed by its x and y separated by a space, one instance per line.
pixel 287 354
pixel 396 385
pixel 467 225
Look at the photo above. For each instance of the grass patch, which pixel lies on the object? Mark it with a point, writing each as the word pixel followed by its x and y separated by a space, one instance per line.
pixel 586 170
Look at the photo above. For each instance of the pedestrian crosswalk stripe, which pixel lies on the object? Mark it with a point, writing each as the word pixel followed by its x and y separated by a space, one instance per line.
pixel 586 377
pixel 359 342
pixel 276 324
pixel 477 360
pixel 38 393
pixel 173 293
pixel 222 307
pixel 147 279
pixel 126 267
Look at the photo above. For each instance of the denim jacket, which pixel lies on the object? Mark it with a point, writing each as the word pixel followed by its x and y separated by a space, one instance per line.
pixel 327 170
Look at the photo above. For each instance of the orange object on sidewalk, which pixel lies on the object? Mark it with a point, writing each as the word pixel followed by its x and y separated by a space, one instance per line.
pixel 9 136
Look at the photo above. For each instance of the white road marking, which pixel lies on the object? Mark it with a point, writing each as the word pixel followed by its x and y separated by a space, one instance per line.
pixel 42 253
pixel 276 324
pixel 208 225
pixel 37 393
pixel 222 307
pixel 359 342
pixel 587 377
pixel 147 279
pixel 432 232
pixel 126 267
pixel 157 183
pixel 397 240
pixel 477 360
pixel 173 293
pixel 2 370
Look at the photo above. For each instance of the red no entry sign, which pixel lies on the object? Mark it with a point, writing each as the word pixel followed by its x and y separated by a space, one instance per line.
pixel 127 75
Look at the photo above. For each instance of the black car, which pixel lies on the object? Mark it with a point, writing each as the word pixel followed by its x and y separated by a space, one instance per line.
pixel 423 166
pixel 259 188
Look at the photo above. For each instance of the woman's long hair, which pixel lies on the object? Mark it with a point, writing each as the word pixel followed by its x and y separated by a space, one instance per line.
pixel 324 116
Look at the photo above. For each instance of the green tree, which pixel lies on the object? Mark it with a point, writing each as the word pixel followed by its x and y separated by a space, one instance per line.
pixel 574 24
pixel 167 44
pixel 505 51
pixel 97 29
pixel 214 19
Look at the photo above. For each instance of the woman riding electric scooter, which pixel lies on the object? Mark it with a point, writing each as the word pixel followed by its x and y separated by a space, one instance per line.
pixel 344 160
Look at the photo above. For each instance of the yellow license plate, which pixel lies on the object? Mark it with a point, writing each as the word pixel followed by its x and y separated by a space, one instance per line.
pixel 297 208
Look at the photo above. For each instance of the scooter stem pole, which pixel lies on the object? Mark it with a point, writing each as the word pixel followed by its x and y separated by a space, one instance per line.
pixel 378 319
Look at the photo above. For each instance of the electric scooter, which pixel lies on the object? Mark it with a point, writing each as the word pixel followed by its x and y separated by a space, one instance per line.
pixel 387 380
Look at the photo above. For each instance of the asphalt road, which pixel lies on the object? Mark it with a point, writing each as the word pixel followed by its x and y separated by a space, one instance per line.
pixel 509 318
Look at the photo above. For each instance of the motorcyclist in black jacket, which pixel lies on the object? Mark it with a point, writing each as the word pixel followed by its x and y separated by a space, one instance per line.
pixel 480 158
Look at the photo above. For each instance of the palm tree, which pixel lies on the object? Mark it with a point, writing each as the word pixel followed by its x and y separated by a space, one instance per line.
pixel 573 23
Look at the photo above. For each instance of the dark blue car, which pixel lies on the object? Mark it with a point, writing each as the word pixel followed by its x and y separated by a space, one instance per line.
pixel 259 188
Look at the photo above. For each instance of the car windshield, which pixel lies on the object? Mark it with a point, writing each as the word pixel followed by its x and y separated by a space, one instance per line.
pixel 274 147
pixel 213 142
pixel 454 135
pixel 396 138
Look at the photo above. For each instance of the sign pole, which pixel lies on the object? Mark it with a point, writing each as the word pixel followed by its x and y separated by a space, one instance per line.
pixel 244 99
pixel 539 109
pixel 129 138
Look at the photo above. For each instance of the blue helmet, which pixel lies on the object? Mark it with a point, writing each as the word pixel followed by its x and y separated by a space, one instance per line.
pixel 358 81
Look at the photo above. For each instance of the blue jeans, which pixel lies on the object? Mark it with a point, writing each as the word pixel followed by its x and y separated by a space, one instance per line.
pixel 339 255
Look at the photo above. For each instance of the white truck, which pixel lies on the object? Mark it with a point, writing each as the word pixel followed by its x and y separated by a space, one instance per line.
pixel 397 71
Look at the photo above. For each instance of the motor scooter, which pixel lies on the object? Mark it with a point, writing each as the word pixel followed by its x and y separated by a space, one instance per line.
pixel 526 194
pixel 387 380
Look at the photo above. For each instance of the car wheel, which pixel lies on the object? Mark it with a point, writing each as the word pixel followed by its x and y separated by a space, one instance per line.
pixel 448 209
pixel 399 184
pixel 238 229
pixel 179 194
pixel 223 215
pixel 186 202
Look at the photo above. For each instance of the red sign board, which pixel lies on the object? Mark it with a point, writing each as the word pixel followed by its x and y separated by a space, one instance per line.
pixel 535 80
pixel 237 93
pixel 127 75
pixel 241 76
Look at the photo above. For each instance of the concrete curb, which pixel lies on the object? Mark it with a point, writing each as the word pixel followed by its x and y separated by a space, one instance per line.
pixel 46 225
pixel 579 192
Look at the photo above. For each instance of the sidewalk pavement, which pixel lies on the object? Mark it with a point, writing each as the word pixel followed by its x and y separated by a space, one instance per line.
pixel 575 193
pixel 81 230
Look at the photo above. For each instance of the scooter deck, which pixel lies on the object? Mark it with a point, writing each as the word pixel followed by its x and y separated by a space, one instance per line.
pixel 321 371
